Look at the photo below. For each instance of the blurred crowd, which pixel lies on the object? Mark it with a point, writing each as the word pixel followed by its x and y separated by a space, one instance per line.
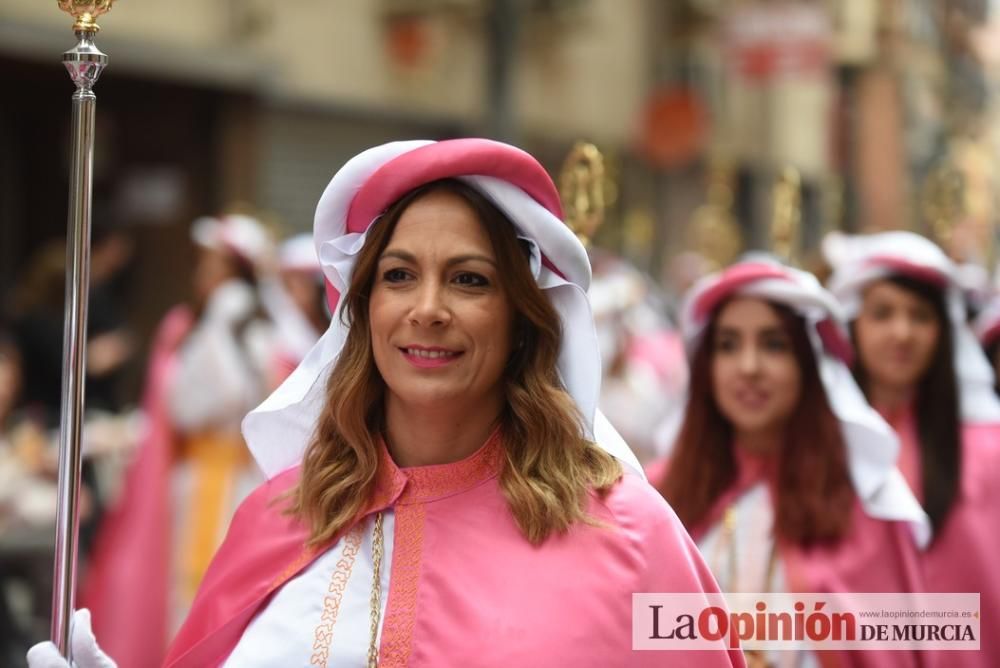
pixel 256 307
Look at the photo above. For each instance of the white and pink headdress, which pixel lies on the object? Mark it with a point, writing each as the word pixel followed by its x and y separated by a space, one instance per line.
pixel 872 446
pixel 237 234
pixel 298 253
pixel 871 258
pixel 279 430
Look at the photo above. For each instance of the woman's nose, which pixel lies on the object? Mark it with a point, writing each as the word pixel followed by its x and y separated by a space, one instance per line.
pixel 430 306
pixel 749 360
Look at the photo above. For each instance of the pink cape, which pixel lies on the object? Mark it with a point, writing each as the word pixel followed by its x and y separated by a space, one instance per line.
pixel 465 587
pixel 125 585
pixel 874 556
pixel 963 555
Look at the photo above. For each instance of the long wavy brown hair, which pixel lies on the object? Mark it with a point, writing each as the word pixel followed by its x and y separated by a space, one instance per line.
pixel 814 490
pixel 549 468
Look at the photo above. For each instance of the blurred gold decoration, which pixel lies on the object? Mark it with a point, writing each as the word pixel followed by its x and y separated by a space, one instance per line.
pixel 639 229
pixel 581 187
pixel 786 223
pixel 943 201
pixel 86 13
pixel 713 232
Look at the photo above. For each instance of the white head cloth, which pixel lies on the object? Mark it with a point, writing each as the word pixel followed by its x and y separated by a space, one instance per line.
pixel 298 253
pixel 871 258
pixel 278 431
pixel 235 233
pixel 872 445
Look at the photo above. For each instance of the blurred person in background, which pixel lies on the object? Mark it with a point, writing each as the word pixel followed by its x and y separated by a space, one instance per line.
pixel 922 368
pixel 781 471
pixel 221 374
pixel 642 357
pixel 110 345
pixel 296 302
pixel 38 310
pixel 208 367
pixel 27 513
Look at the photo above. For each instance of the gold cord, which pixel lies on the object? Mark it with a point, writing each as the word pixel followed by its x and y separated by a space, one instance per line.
pixel 378 548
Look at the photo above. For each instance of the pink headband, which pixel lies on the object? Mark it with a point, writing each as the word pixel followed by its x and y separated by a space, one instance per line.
pixel 913 270
pixel 446 159
pixel 741 275
pixel 441 160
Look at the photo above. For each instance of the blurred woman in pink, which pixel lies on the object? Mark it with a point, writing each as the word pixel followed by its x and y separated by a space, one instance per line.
pixel 782 473
pixel 207 369
pixel 921 367
pixel 296 301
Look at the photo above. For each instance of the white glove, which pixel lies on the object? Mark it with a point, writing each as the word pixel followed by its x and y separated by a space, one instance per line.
pixel 86 653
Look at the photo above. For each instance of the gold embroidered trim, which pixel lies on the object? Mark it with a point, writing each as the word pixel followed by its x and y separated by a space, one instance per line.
pixel 404 583
pixel 323 635
pixel 307 555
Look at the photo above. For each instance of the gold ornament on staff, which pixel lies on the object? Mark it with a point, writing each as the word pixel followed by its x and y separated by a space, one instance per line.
pixel 84 62
pixel 581 188
pixel 786 222
pixel 943 202
pixel 713 232
pixel 86 13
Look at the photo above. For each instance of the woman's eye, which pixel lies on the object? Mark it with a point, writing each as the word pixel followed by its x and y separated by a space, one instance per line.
pixel 880 312
pixel 395 275
pixel 775 345
pixel 726 345
pixel 469 279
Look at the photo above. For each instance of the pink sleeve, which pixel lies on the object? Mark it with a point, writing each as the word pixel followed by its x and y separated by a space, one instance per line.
pixel 673 564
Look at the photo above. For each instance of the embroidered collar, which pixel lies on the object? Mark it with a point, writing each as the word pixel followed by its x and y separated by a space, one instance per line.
pixel 423 484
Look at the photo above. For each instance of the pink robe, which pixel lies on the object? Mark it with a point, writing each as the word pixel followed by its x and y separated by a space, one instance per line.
pixel 125 585
pixel 874 556
pixel 466 589
pixel 963 555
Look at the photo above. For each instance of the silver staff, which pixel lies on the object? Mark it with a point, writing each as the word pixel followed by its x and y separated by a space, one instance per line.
pixel 85 63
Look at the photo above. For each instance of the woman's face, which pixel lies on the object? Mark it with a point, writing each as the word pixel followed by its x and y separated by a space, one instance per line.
pixel 302 287
pixel 756 380
pixel 213 268
pixel 440 320
pixel 896 333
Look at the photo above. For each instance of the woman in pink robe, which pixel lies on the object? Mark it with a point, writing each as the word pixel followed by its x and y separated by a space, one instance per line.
pixel 781 471
pixel 442 490
pixel 921 367
pixel 296 301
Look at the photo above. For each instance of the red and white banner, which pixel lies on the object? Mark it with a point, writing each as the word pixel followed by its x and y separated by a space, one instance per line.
pixel 765 42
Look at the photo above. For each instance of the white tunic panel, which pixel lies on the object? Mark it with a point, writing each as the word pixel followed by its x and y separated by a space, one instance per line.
pixel 322 617
pixel 740 560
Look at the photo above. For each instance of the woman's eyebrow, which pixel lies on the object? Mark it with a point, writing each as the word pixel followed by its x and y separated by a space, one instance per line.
pixel 470 257
pixel 406 256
